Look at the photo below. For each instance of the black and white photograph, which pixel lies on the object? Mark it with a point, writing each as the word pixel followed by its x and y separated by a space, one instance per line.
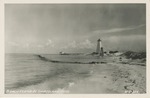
pixel 75 48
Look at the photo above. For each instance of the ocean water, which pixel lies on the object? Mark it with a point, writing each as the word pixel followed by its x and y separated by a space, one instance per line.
pixel 30 71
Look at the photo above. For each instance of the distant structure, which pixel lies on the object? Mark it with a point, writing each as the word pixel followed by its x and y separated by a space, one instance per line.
pixel 98 46
pixel 99 49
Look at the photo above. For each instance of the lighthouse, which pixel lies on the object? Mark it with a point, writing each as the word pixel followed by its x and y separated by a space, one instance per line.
pixel 99 49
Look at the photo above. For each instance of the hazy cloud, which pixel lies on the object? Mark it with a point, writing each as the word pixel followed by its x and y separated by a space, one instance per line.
pixel 50 43
pixel 118 29
pixel 72 44
pixel 86 44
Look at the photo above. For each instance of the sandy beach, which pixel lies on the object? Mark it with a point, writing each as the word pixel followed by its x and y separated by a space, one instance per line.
pixel 115 76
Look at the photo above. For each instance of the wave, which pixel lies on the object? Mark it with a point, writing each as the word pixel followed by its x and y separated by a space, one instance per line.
pixel 56 71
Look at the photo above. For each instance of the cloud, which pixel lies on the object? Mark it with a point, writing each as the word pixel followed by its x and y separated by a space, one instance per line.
pixel 86 44
pixel 73 44
pixel 80 45
pixel 50 43
pixel 119 29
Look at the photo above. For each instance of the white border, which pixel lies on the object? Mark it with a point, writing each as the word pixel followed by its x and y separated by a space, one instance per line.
pixel 2 95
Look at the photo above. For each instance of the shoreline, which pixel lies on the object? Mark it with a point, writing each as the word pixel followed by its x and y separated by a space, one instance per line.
pixel 113 77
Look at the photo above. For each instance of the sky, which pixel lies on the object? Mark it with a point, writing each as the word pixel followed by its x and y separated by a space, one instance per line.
pixel 51 28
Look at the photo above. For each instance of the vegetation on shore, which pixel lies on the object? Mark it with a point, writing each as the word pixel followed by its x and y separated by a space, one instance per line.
pixel 134 55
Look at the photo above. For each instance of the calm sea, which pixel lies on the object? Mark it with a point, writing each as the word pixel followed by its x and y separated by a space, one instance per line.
pixel 25 70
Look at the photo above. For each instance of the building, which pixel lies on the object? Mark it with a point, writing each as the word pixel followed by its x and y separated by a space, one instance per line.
pixel 99 49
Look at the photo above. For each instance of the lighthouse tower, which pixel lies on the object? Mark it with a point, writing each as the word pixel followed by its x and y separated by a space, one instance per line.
pixel 99 49
pixel 98 46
